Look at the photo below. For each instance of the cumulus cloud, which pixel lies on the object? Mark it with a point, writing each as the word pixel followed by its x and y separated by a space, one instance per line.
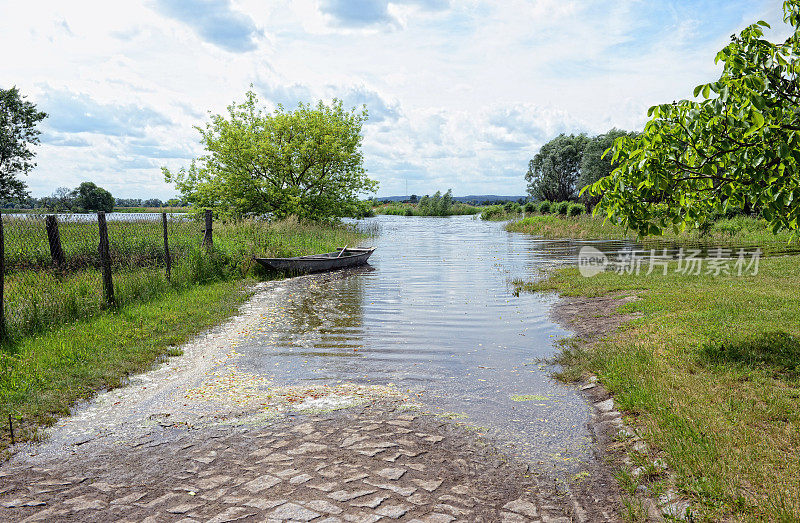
pixel 362 13
pixel 216 22
pixel 70 112
pixel 289 96
pixel 380 110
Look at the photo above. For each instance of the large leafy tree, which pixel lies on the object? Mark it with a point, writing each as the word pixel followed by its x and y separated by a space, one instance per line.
pixel 305 162
pixel 595 164
pixel 738 147
pixel 89 197
pixel 553 173
pixel 18 132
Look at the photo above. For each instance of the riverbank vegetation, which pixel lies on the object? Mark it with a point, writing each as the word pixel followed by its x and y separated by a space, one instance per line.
pixel 39 297
pixel 710 374
pixel 738 230
pixel 710 370
pixel 514 210
pixel 437 205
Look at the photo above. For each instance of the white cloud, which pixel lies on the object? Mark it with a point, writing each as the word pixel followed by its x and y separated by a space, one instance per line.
pixel 461 93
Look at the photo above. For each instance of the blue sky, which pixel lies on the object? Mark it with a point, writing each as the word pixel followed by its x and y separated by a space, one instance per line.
pixel 461 94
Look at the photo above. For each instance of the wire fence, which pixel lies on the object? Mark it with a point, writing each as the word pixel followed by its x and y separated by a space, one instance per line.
pixel 63 267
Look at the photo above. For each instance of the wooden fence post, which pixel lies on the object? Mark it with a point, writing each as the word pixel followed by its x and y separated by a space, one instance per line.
pixel 105 260
pixel 54 238
pixel 208 233
pixel 167 258
pixel 2 281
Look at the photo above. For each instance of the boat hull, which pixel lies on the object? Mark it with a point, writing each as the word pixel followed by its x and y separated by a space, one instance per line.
pixel 318 262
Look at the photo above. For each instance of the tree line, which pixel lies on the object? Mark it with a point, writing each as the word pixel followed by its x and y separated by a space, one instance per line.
pixel 87 197
pixel 568 163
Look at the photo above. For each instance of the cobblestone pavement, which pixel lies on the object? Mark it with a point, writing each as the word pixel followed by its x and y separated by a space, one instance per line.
pixel 370 463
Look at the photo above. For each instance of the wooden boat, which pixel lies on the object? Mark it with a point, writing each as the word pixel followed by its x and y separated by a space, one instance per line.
pixel 343 258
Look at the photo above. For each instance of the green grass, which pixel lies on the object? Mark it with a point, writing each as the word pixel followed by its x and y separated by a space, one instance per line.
pixel 741 230
pixel 44 375
pixel 711 374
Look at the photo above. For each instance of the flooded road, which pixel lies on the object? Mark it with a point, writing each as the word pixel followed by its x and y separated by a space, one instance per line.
pixel 435 314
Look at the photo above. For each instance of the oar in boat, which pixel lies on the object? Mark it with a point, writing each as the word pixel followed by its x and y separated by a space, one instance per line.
pixel 342 251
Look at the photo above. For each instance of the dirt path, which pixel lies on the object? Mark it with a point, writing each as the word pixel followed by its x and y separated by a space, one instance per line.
pixel 198 440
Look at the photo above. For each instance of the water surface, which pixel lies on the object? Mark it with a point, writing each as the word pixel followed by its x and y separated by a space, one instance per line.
pixel 435 313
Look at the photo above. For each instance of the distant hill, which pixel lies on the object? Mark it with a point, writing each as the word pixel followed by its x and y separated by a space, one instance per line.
pixel 472 198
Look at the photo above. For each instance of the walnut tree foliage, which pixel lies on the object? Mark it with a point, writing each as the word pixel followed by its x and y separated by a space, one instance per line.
pixel 595 164
pixel 18 132
pixel 305 162
pixel 738 147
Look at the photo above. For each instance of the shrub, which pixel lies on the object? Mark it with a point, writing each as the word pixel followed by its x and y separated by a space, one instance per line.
pixel 530 207
pixel 493 212
pixel 561 208
pixel 408 212
pixel 512 207
pixel 576 209
pixel 545 207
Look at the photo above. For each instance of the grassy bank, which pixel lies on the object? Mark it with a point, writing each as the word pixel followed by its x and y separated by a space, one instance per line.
pixel 48 373
pixel 741 230
pixel 710 373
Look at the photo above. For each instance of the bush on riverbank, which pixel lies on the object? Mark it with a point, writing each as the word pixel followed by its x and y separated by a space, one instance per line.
pixel 710 374
pixel 512 210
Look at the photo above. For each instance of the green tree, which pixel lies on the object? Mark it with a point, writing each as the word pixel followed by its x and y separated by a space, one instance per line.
pixel 444 205
pixel 553 172
pixel 18 132
pixel 90 197
pixel 62 200
pixel 736 148
pixel 595 164
pixel 306 162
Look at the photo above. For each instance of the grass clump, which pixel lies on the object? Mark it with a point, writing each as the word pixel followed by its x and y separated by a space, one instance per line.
pixel 711 373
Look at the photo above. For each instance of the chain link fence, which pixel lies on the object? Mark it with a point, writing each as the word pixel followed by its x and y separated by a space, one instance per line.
pixel 64 267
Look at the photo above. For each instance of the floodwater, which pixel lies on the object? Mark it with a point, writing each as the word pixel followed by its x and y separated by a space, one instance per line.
pixel 435 314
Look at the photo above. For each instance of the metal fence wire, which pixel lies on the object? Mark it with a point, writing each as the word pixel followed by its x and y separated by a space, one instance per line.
pixel 63 267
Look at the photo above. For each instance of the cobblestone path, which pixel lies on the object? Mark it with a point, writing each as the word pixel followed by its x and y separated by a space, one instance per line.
pixel 371 463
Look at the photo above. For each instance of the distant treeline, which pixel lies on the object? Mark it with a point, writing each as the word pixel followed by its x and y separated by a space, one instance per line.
pixel 61 202
pixel 489 199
